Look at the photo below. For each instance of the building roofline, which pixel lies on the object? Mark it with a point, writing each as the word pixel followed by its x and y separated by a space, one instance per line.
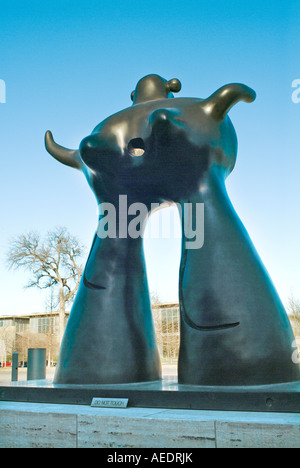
pixel 166 305
pixel 34 314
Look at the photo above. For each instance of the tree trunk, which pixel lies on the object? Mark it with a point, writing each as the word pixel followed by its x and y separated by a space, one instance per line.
pixel 62 313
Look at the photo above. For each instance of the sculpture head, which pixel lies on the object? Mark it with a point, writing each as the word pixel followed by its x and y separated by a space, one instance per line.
pixel 154 87
pixel 161 147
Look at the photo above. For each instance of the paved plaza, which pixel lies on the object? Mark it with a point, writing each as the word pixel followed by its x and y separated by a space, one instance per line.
pixel 5 374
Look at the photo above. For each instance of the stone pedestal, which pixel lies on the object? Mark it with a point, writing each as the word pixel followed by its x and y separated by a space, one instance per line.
pixel 36 425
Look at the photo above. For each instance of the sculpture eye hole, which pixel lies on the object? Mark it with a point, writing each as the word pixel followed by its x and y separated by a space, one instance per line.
pixel 136 147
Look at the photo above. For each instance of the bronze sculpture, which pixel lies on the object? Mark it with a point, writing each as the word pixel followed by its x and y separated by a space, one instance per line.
pixel 234 330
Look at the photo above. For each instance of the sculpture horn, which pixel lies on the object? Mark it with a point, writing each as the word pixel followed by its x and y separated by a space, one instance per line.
pixel 66 156
pixel 220 102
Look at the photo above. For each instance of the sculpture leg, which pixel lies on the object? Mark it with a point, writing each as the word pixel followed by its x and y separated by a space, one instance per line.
pixel 234 329
pixel 110 336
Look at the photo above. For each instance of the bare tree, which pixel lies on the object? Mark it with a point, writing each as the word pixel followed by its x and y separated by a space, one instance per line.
pixel 51 262
pixel 293 306
pixel 154 298
pixel 51 304
pixel 294 314
pixel 166 323
pixel 7 336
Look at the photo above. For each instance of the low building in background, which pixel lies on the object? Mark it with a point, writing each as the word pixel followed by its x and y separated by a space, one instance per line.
pixel 167 325
pixel 18 333
pixel 37 330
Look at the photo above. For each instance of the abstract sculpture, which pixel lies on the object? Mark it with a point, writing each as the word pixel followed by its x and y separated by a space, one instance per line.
pixel 234 329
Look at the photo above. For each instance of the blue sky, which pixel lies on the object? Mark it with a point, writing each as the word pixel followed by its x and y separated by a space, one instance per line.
pixel 68 65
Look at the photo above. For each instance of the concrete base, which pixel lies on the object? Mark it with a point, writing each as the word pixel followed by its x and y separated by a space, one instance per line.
pixel 33 425
pixel 166 393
